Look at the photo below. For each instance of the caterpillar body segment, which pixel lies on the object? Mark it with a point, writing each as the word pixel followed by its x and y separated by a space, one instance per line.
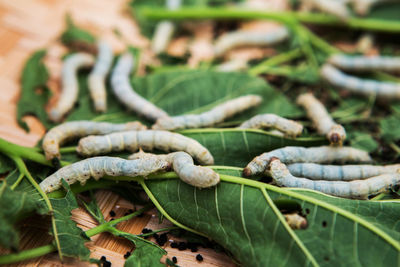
pixel 70 130
pixel 123 90
pixel 359 189
pixel 182 164
pixel 97 77
pixel 164 30
pixel 70 86
pixel 294 154
pixel 146 140
pixel 362 7
pixel 296 221
pixel 243 37
pixel 211 117
pixel 387 90
pixel 339 172
pixel 363 63
pixel 232 65
pixel 97 167
pixel 288 127
pixel 321 119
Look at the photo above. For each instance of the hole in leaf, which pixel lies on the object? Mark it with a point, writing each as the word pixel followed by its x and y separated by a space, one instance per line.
pixel 288 205
pixel 326 258
pixel 324 224
pixel 307 211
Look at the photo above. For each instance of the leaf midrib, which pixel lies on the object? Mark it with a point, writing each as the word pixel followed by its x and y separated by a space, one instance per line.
pixel 288 192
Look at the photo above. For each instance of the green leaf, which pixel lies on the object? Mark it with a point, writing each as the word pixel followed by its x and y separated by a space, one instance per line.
pixel 243 216
pixel 390 129
pixel 179 92
pixel 14 206
pixel 72 239
pixel 6 164
pixel 34 92
pixel 93 208
pixel 363 141
pixel 75 35
pixel 237 147
pixel 146 253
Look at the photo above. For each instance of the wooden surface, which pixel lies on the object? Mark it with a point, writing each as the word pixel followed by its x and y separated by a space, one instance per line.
pixel 28 25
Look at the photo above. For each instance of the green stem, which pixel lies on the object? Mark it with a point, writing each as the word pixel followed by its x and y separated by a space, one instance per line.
pixel 284 17
pixel 30 153
pixel 22 168
pixel 319 42
pixel 69 149
pixel 159 230
pixel 20 177
pixel 40 251
pixel 273 61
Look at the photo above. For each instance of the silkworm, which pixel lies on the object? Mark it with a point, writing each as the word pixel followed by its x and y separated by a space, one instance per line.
pixel 363 63
pixel 296 221
pixel 288 127
pixel 147 140
pixel 321 119
pixel 359 189
pixel 182 164
pixel 70 130
pixel 232 65
pixel 295 154
pixel 211 117
pixel 387 90
pixel 254 38
pixel 126 95
pixel 336 8
pixel 164 30
pixel 98 75
pixel 339 172
pixel 97 167
pixel 69 92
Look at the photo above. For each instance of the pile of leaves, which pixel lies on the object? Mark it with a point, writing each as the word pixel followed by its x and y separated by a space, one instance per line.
pixel 244 216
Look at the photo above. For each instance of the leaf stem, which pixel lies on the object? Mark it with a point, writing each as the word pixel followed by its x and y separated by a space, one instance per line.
pixel 273 61
pixel 22 168
pixel 20 177
pixel 284 17
pixel 30 153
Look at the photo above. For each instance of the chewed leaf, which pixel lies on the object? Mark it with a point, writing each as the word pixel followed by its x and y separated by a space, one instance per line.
pixel 74 34
pixel 72 239
pixel 34 92
pixel 14 205
pixel 243 216
pixel 145 253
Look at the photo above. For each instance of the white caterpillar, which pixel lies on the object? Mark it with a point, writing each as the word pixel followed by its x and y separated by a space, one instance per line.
pixel 97 167
pixel 339 172
pixel 363 63
pixel 387 90
pixel 288 127
pixel 97 77
pixel 124 92
pixel 296 221
pixel 232 65
pixel 321 119
pixel 147 140
pixel 337 8
pixel 164 30
pixel 242 38
pixel 69 93
pixel 295 154
pixel 211 117
pixel 360 189
pixel 182 164
pixel 70 130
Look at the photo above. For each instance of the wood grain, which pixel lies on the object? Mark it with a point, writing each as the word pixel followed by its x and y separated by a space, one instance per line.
pixel 28 25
